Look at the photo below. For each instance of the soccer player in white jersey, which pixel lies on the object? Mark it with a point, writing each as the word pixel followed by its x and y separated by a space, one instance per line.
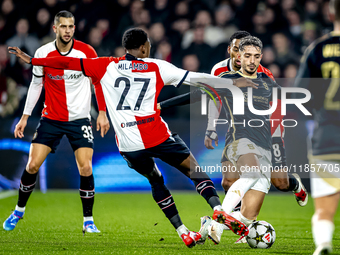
pixel 131 85
pixel 66 112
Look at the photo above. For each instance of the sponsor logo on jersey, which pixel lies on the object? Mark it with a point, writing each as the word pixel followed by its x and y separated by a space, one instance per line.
pixel 139 122
pixel 64 77
pixel 133 66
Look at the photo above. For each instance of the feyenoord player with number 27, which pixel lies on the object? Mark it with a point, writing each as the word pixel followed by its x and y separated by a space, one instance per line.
pixel 66 112
pixel 131 85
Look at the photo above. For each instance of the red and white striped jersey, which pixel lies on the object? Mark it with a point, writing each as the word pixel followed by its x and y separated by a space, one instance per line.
pixel 67 92
pixel 131 87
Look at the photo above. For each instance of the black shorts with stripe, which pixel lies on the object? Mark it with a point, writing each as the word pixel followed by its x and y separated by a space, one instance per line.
pixel 172 151
pixel 50 132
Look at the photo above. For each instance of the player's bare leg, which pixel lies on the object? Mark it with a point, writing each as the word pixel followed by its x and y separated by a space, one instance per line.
pixel 251 205
pixel 280 180
pixel 37 155
pixel 322 221
pixel 84 162
pixel 284 182
pixel 229 176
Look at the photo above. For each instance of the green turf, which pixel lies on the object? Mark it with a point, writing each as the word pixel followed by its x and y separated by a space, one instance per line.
pixel 133 224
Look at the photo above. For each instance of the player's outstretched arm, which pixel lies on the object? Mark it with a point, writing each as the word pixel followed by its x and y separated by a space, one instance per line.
pixel 54 62
pixel 187 98
pixel 20 54
pixel 103 123
pixel 20 127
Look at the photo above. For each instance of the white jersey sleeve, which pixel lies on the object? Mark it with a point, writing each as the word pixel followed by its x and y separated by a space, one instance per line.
pixel 171 74
pixel 33 94
pixel 38 71
pixel 34 90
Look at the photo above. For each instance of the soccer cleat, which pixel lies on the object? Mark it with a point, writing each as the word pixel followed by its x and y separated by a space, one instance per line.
pixel 12 220
pixel 191 238
pixel 235 225
pixel 323 249
pixel 215 231
pixel 204 231
pixel 242 239
pixel 90 227
pixel 302 196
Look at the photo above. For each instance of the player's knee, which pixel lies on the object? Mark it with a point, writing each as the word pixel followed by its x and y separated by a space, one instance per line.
pixel 85 170
pixel 281 184
pixel 227 182
pixel 32 167
pixel 155 177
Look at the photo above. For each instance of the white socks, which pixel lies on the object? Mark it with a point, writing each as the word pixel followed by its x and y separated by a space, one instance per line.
pixel 237 191
pixel 90 218
pixel 20 209
pixel 238 215
pixel 322 231
pixel 218 208
pixel 182 230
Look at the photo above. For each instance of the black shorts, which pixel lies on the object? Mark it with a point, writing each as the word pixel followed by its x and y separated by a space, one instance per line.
pixel 172 151
pixel 50 132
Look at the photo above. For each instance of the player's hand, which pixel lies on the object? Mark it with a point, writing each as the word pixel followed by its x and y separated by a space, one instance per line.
pixel 159 106
pixel 103 123
pixel 244 82
pixel 20 54
pixel 20 127
pixel 210 136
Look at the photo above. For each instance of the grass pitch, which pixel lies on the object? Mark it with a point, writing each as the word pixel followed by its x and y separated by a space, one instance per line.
pixel 133 224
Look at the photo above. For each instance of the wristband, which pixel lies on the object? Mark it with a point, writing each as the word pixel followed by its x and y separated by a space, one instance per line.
pixel 212 135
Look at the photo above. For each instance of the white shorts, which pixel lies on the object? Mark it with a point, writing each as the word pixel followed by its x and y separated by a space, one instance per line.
pixel 244 146
pixel 325 180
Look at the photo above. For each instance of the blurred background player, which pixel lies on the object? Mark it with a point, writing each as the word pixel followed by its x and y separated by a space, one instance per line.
pixel 141 133
pixel 66 112
pixel 320 73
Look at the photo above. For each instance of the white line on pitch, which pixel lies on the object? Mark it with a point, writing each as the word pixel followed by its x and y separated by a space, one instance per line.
pixel 8 193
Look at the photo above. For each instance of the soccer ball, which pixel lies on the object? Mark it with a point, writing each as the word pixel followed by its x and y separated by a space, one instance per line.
pixel 261 235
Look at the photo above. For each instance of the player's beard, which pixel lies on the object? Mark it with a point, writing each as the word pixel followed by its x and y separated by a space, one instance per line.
pixel 248 70
pixel 251 72
pixel 63 41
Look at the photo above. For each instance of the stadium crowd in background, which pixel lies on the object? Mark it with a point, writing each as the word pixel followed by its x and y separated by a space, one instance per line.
pixel 192 34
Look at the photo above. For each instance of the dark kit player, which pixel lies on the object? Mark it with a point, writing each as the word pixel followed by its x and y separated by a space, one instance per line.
pixel 320 74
